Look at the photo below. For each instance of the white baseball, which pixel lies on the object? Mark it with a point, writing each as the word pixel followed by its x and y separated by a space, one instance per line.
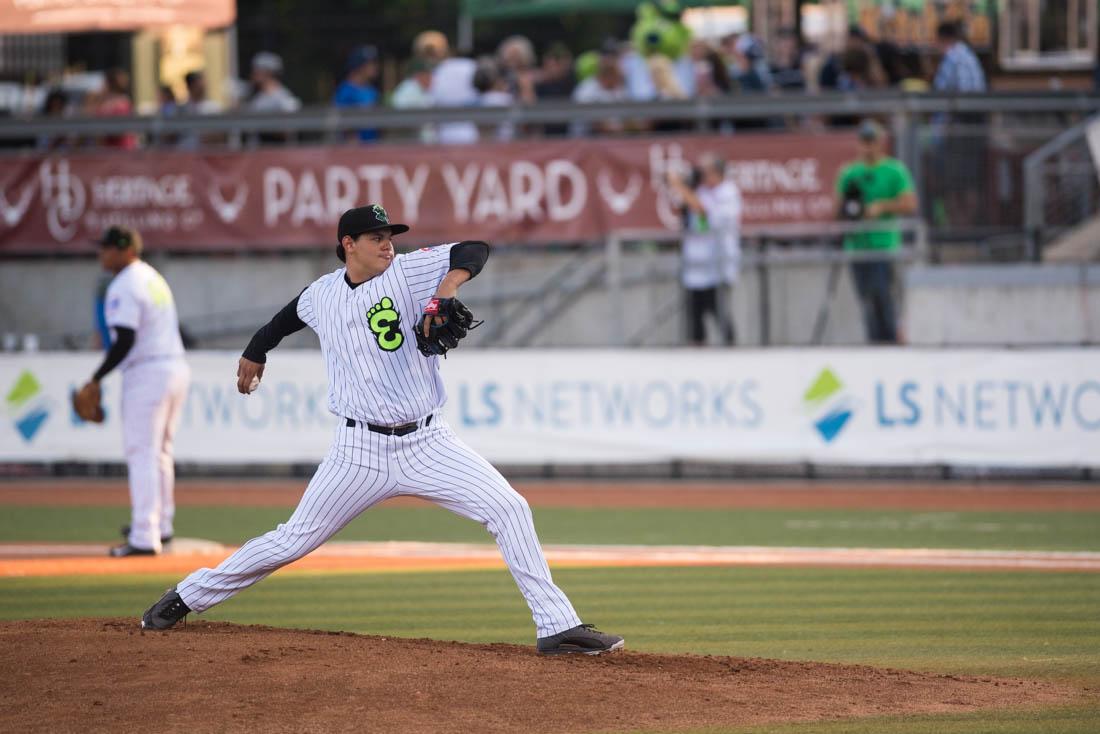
pixel 255 384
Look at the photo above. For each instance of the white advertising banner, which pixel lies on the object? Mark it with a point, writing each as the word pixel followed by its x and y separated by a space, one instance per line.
pixel 873 406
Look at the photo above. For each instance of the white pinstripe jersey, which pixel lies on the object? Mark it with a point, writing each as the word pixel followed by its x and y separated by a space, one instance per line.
pixel 368 339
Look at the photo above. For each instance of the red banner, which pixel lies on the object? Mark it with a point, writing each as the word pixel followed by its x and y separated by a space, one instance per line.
pixel 569 190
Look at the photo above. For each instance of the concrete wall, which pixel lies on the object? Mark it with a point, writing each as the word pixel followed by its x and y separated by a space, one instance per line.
pixel 1003 304
pixel 223 299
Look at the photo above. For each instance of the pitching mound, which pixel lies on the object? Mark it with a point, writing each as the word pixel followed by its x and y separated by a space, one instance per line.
pixel 106 675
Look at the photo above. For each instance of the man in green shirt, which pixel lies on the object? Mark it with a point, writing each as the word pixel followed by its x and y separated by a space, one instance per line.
pixel 875 187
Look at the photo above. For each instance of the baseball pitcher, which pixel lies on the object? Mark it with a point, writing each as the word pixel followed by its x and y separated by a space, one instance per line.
pixel 383 322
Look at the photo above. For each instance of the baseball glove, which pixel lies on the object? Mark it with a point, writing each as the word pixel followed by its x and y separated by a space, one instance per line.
pixel 86 403
pixel 454 320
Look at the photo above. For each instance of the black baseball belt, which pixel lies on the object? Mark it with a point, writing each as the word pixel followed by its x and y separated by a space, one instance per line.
pixel 402 430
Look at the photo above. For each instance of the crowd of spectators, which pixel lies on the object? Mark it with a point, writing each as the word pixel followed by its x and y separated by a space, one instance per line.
pixel 434 76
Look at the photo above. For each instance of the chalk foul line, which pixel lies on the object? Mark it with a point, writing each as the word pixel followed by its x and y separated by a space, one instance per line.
pixel 187 554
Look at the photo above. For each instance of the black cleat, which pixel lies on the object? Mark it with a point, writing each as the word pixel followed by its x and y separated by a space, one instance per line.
pixel 583 639
pixel 124 550
pixel 164 539
pixel 165 613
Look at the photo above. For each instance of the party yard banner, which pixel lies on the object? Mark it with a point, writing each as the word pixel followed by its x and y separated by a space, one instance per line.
pixel 548 191
pixel 885 406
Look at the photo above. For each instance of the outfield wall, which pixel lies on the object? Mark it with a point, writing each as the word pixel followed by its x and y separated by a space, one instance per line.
pixel 876 407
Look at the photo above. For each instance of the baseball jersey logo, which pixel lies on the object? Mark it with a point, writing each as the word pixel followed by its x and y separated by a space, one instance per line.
pixel 385 322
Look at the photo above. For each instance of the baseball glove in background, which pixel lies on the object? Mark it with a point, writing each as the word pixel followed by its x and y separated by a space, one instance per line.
pixel 454 320
pixel 86 403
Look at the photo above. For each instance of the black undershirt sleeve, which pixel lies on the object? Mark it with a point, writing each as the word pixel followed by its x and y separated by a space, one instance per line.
pixel 124 342
pixel 470 256
pixel 283 324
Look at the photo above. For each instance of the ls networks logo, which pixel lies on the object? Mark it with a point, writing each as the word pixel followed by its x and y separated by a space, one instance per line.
pixel 27 406
pixel 825 398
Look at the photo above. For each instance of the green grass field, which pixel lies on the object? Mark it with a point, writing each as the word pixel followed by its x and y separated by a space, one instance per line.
pixel 1026 624
pixel 1061 531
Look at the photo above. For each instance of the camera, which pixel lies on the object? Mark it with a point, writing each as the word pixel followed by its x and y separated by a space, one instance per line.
pixel 693 177
pixel 851 206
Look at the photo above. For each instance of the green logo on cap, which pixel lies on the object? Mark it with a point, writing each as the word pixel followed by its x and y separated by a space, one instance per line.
pixel 379 214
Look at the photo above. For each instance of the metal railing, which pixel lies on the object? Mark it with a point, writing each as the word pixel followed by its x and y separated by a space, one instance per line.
pixel 966 152
pixel 1060 186
pixel 765 251
pixel 332 123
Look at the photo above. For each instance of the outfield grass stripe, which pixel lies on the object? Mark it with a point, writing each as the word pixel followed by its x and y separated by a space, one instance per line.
pixel 385 556
pixel 1077 530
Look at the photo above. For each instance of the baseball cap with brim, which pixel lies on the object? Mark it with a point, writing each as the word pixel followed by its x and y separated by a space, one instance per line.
pixel 267 61
pixel 870 131
pixel 118 237
pixel 361 220
pixel 359 56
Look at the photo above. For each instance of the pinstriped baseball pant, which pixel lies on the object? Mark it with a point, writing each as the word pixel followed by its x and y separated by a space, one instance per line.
pixel 363 468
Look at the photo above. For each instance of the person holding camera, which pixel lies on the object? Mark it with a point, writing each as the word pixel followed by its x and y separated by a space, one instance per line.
pixel 879 188
pixel 711 250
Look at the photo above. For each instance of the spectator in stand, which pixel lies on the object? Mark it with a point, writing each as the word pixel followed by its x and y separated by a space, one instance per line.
pixel 879 188
pixel 414 93
pixel 959 163
pixel 516 62
pixel 960 70
pixel 606 86
pixel 748 62
pixel 452 84
pixel 712 77
pixel 357 89
pixel 831 71
pixel 787 72
pixel 55 105
pixel 196 104
pixel 668 88
pixel 855 71
pixel 268 92
pixel 115 102
pixel 914 78
pixel 492 89
pixel 555 80
pixel 664 78
pixel 167 106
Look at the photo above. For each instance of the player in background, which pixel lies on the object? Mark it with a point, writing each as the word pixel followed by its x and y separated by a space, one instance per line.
pixel 146 346
pixel 710 255
pixel 375 318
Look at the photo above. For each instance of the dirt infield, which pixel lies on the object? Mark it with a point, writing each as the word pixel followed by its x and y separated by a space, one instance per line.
pixel 106 675
pixel 807 495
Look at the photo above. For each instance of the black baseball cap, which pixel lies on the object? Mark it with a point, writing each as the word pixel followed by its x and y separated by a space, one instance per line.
pixel 119 238
pixel 361 219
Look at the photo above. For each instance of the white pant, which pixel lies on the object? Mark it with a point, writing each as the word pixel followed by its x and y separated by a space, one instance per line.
pixel 362 469
pixel 152 396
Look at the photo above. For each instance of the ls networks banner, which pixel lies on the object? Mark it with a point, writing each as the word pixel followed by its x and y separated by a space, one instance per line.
pixel 854 406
